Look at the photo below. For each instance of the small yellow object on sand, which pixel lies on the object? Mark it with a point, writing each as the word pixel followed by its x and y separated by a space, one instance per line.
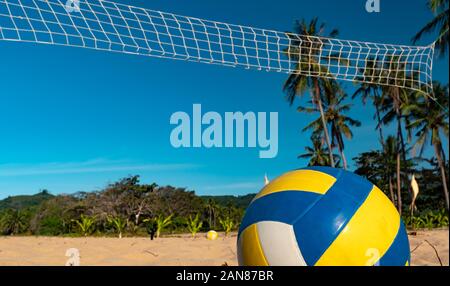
pixel 212 235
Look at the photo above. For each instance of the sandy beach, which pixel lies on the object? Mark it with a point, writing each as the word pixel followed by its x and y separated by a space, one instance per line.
pixel 180 250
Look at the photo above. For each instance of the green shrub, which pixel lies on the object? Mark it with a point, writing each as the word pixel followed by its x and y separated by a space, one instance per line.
pixel 194 225
pixel 227 225
pixel 427 219
pixel 51 226
pixel 118 223
pixel 159 223
pixel 85 224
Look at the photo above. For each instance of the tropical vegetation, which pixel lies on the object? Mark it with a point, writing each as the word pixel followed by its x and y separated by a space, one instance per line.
pixel 407 122
pixel 124 208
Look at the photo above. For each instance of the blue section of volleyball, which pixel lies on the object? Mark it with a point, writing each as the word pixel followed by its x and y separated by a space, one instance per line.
pixel 334 210
pixel 398 251
pixel 267 208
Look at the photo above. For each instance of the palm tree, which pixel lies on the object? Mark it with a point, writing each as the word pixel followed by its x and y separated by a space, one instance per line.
pixel 13 222
pixel 371 90
pixel 194 225
pixel 118 223
pixel 227 225
pixel 391 105
pixel 334 109
pixel 431 121
pixel 317 154
pixel 85 224
pixel 305 54
pixel 340 123
pixel 392 102
pixel 440 22
pixel 211 206
pixel 391 160
pixel 160 222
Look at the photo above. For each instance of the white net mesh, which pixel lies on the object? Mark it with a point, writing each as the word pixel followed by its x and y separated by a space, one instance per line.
pixel 105 25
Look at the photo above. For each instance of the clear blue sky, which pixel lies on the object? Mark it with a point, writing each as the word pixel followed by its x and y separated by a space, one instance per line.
pixel 74 120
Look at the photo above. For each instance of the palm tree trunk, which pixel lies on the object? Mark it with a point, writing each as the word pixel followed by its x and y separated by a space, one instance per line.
pixel 210 216
pixel 324 121
pixel 344 160
pixel 378 114
pixel 399 185
pixel 380 129
pixel 444 177
pixel 391 191
pixel 341 152
pixel 402 142
pixel 400 135
pixel 400 148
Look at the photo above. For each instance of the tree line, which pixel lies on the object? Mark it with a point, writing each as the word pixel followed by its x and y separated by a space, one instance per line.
pixel 126 207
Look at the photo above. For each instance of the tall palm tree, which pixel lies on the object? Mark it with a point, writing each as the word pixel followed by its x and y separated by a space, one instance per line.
pixel 390 156
pixel 440 22
pixel 211 206
pixel 340 124
pixel 317 154
pixel 371 90
pixel 392 102
pixel 304 54
pixel 334 108
pixel 431 122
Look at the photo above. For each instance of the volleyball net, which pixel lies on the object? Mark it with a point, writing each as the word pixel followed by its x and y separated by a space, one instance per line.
pixel 115 27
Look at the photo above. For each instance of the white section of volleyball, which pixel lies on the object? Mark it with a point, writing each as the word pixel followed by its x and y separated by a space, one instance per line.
pixel 110 26
pixel 286 252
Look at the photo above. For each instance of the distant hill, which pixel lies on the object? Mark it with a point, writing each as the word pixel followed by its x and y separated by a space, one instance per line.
pixel 24 201
pixel 236 201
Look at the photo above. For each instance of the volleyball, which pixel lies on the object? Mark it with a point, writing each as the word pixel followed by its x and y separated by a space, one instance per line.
pixel 322 216
pixel 212 235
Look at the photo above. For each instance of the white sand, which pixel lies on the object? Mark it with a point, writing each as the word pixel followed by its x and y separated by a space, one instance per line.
pixel 181 250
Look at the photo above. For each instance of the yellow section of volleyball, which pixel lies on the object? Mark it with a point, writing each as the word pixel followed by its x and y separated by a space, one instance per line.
pixel 250 248
pixel 316 182
pixel 367 236
pixel 212 235
pixel 322 217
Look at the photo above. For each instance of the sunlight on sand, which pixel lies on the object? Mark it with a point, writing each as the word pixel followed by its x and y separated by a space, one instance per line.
pixel 181 250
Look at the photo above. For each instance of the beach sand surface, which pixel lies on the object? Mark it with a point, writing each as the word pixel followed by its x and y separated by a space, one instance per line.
pixel 171 251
